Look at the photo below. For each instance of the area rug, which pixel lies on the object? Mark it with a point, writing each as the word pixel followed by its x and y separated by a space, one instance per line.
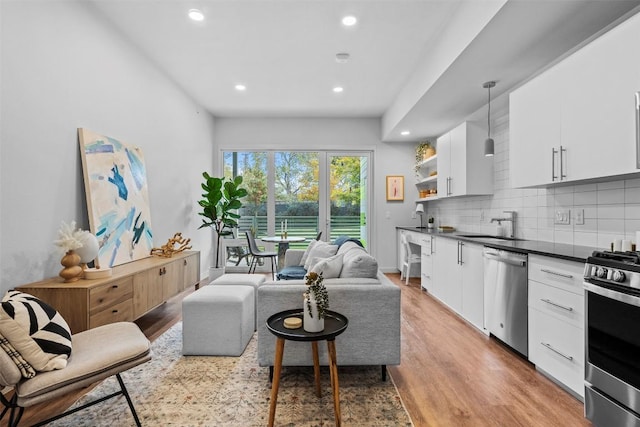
pixel 176 390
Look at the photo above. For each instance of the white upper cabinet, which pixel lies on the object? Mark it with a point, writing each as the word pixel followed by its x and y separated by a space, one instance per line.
pixel 576 121
pixel 462 167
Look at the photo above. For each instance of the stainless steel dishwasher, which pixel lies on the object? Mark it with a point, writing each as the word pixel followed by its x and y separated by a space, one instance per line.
pixel 505 297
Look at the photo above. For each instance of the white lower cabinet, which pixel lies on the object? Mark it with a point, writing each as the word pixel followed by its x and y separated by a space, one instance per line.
pixel 458 279
pixel 556 320
pixel 426 262
pixel 473 284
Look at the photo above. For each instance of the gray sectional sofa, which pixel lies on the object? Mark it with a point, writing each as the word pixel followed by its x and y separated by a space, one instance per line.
pixel 372 305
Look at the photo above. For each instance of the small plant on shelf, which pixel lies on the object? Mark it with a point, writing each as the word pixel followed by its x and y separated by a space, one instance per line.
pixel 430 222
pixel 424 150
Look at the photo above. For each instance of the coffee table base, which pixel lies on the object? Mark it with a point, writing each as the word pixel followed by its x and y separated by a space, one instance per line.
pixel 333 370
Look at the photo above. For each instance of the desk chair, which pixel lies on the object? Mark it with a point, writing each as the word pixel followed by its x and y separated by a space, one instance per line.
pixel 411 256
pixel 258 254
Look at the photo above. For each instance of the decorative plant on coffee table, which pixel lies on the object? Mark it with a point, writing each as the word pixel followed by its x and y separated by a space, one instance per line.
pixel 316 301
pixel 220 203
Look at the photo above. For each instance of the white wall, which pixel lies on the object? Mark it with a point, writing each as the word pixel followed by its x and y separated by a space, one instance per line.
pixel 611 209
pixel 337 134
pixel 62 68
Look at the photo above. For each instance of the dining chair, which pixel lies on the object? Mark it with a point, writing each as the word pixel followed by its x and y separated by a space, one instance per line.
pixel 319 235
pixel 258 254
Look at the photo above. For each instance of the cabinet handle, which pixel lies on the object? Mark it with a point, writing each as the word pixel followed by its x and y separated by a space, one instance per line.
pixel 556 351
pixel 562 174
pixel 114 286
pixel 114 311
pixel 460 244
pixel 564 307
pixel 184 262
pixel 568 276
pixel 553 164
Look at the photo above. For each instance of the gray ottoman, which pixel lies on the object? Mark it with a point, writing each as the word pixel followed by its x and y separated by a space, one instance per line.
pixel 241 279
pixel 218 320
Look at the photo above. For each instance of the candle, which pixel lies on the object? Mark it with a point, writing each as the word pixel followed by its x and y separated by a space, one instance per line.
pixel 285 225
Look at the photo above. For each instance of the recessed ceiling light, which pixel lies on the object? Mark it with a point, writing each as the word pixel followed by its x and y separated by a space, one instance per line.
pixel 338 89
pixel 342 57
pixel 349 21
pixel 240 87
pixel 196 15
pixel 405 133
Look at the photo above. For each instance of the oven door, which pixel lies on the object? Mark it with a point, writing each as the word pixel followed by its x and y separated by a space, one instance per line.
pixel 612 344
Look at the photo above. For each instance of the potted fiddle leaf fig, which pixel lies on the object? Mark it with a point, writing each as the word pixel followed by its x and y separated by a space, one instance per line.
pixel 220 203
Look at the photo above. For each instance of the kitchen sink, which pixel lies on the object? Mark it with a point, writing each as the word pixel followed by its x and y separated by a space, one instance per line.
pixel 486 236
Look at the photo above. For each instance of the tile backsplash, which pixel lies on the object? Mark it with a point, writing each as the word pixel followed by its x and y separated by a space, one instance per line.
pixel 610 210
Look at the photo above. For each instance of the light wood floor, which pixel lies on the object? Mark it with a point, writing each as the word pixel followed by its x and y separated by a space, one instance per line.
pixel 450 375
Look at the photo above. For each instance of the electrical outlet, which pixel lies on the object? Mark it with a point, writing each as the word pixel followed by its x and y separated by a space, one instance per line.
pixel 579 217
pixel 481 216
pixel 414 215
pixel 563 217
pixel 387 215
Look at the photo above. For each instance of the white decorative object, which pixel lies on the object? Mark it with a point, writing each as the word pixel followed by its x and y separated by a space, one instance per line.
pixel 89 249
pixel 312 321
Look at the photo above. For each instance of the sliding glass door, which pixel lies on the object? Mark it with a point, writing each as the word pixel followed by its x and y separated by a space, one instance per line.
pixel 306 192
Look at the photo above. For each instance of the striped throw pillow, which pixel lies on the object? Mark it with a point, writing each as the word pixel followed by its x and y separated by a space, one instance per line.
pixel 36 331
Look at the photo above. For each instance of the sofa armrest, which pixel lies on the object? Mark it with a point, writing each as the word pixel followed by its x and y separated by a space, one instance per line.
pixel 293 257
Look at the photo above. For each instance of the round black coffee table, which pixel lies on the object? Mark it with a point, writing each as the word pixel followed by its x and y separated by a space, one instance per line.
pixel 334 324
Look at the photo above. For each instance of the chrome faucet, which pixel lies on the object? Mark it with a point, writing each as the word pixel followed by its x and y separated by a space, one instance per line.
pixel 510 218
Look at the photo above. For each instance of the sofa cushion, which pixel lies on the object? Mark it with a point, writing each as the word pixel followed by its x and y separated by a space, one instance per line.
pixel 305 255
pixel 347 246
pixel 293 272
pixel 36 331
pixel 320 250
pixel 329 268
pixel 358 263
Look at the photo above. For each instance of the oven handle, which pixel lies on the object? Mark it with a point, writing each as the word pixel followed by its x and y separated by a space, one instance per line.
pixel 609 293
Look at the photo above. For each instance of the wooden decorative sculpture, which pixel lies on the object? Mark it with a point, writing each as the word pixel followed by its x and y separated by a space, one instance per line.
pixel 168 249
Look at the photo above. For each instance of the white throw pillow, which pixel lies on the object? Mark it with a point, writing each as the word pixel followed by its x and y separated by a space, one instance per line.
pixel 330 268
pixel 320 250
pixel 305 255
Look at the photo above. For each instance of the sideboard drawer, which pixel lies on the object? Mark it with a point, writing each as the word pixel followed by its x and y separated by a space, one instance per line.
pixel 122 312
pixel 106 295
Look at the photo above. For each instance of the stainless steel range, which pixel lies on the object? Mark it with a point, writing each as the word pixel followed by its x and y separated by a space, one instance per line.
pixel 612 339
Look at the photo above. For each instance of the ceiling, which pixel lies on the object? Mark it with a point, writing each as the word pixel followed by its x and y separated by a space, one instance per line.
pixel 419 65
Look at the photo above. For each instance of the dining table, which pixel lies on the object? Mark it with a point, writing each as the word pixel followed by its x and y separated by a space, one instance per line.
pixel 283 245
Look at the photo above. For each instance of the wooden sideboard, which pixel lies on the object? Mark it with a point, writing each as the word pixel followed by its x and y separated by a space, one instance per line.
pixel 132 290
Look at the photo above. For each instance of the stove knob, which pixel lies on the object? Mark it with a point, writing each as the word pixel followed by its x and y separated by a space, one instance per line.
pixel 601 272
pixel 618 276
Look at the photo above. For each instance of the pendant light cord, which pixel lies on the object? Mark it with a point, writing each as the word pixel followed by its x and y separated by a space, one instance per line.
pixel 489 114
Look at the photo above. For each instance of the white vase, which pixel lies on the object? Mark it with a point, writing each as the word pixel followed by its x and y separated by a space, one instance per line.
pixel 315 323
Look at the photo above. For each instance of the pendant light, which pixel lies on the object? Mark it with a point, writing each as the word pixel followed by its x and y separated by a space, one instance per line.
pixel 488 143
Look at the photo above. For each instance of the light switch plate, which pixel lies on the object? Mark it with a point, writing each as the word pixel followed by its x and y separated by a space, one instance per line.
pixel 563 217
pixel 579 217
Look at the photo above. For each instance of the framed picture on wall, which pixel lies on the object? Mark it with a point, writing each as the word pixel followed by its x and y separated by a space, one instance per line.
pixel 395 187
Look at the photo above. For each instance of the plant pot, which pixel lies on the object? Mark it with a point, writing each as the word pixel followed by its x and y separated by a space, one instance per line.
pixel 309 323
pixel 215 272
pixel 429 152
pixel 430 225
pixel 72 270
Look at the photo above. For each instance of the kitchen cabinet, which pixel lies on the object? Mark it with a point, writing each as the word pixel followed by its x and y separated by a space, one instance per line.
pixel 132 290
pixel 472 265
pixel 556 320
pixel 426 262
pixel 463 168
pixel 576 121
pixel 458 278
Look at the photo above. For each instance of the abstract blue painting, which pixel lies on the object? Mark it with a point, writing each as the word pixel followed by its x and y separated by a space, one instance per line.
pixel 115 181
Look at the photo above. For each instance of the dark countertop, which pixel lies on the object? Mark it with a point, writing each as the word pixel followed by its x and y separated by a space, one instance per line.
pixel 538 247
